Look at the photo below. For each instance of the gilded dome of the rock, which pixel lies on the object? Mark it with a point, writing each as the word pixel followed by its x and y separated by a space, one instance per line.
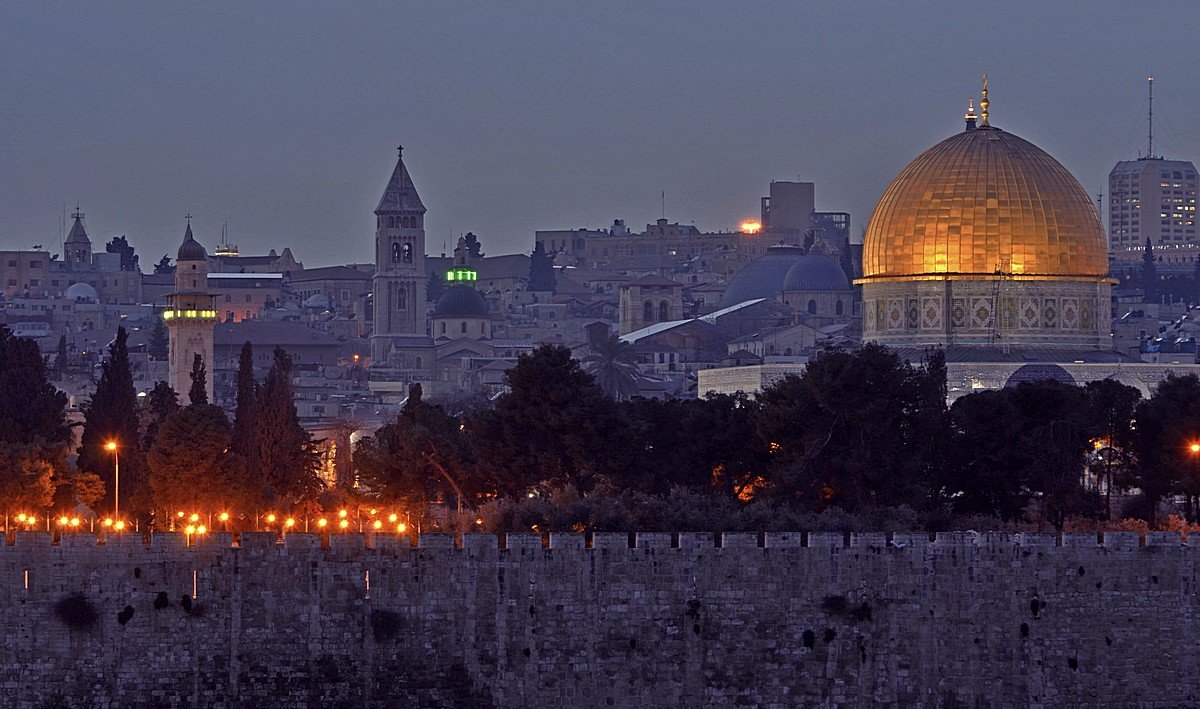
pixel 980 202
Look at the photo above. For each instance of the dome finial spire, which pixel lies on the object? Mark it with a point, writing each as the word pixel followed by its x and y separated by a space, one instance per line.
pixel 970 113
pixel 983 105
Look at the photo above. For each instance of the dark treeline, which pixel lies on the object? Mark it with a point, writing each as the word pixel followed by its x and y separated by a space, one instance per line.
pixel 861 433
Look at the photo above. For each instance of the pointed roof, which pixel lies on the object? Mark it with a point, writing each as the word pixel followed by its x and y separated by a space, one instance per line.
pixel 190 250
pixel 401 193
pixel 78 234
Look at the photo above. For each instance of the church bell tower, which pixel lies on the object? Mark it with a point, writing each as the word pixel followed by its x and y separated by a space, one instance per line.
pixel 400 277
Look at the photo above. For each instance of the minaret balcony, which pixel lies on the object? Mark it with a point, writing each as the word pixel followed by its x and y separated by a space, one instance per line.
pixel 186 315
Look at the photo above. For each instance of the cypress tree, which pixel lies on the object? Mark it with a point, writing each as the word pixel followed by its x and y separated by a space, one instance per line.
pixel 198 394
pixel 161 403
pixel 541 269
pixel 245 419
pixel 111 414
pixel 286 454
pixel 160 342
pixel 60 358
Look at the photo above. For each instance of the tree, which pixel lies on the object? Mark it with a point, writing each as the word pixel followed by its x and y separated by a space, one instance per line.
pixel 34 434
pixel 160 403
pixel 164 265
pixel 613 363
pixel 111 414
pixel 283 451
pixel 421 456
pixel 60 357
pixel 541 269
pixel 159 344
pixel 1168 423
pixel 1110 409
pixel 1149 273
pixel 989 468
pixel 554 426
pixel 191 464
pixel 198 393
pixel 129 260
pixel 245 417
pixel 474 248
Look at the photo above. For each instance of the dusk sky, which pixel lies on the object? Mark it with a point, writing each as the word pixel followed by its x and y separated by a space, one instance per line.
pixel 282 118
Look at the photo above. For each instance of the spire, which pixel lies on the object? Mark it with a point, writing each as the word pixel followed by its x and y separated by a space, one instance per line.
pixel 78 233
pixel 983 105
pixel 400 194
pixel 190 250
pixel 970 113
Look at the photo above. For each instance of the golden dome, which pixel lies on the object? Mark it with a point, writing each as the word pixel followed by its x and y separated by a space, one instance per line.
pixel 984 201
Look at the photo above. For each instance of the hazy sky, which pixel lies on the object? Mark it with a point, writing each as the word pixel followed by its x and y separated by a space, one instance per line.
pixel 282 118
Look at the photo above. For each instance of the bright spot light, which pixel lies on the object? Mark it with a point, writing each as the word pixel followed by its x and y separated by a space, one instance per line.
pixel 31 519
pixel 201 529
pixel 190 529
pixel 373 511
pixel 62 521
pixel 110 446
pixel 342 514
pixel 195 517
pixel 344 523
pixel 21 517
pixel 224 517
pixel 289 522
pixel 402 527
pixel 74 521
pixel 107 522
pixel 1195 447
pixel 322 522
pixel 750 227
pixel 378 524
pixel 479 520
pixel 271 518
pixel 179 514
pixel 392 518
pixel 119 525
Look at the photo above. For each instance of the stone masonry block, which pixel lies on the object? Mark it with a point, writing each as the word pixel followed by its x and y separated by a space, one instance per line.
pixel 477 541
pixel 910 540
pixel 697 540
pixel 435 540
pixel 301 540
pixel 1039 539
pixel 783 540
pixel 610 540
pixel 33 540
pixel 652 540
pixel 825 540
pixel 1163 539
pixel 262 540
pixel 868 539
pixel 522 541
pixel 1080 540
pixel 347 543
pixel 79 540
pixel 739 540
pixel 955 539
pixel 1121 540
pixel 168 541
pixel 566 540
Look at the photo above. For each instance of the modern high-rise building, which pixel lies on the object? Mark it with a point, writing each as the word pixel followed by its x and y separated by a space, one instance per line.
pixel 1153 198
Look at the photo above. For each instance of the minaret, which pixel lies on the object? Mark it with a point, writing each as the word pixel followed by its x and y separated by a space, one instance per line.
pixel 190 317
pixel 77 250
pixel 400 277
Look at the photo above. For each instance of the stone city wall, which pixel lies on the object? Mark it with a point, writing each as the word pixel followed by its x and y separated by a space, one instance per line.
pixel 780 619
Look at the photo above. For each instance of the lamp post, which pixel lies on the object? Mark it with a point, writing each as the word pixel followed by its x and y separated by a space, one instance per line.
pixel 112 447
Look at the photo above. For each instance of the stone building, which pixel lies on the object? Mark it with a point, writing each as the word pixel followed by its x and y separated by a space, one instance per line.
pixel 190 317
pixel 649 300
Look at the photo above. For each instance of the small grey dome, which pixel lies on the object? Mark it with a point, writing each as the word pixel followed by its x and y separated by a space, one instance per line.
pixel 460 301
pixel 191 250
pixel 82 291
pixel 317 300
pixel 816 272
pixel 763 277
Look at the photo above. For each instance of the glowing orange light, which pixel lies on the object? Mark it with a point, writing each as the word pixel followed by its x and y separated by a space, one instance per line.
pixel 31 519
pixel 271 518
pixel 21 517
pixel 342 514
pixel 179 514
pixel 62 521
pixel 110 446
pixel 119 525
pixel 190 529
pixel 74 521
pixel 479 520
pixel 194 518
pixel 402 527
pixel 373 511
pixel 377 524
pixel 107 522
pixel 1195 448
pixel 201 529
pixel 289 522
pixel 392 518
pixel 344 523
pixel 322 522
pixel 750 227
pixel 224 516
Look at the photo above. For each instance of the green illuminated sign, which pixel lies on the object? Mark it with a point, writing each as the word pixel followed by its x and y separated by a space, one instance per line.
pixel 462 274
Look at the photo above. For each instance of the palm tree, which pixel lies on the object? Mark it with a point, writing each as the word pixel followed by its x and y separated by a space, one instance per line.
pixel 614 365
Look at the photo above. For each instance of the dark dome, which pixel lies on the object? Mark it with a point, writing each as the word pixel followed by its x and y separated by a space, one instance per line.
pixel 460 301
pixel 191 250
pixel 1038 372
pixel 763 277
pixel 816 272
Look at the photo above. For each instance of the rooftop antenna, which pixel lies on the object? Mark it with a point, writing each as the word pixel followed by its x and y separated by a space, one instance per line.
pixel 664 204
pixel 970 116
pixel 1150 141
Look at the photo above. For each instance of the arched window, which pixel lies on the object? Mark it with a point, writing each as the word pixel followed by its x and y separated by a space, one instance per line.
pixel 664 311
pixel 648 312
pixel 464 327
pixel 402 298
pixel 443 328
pixel 812 307
pixel 397 254
pixel 408 252
pixel 481 328
pixel 839 309
pixel 419 363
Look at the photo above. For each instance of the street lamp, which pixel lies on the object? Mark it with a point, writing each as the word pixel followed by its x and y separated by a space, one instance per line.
pixel 1194 448
pixel 111 446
